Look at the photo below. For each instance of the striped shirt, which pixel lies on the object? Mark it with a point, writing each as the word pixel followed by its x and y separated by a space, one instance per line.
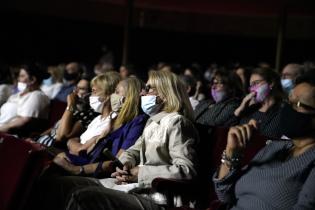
pixel 216 114
pixel 268 122
pixel 271 181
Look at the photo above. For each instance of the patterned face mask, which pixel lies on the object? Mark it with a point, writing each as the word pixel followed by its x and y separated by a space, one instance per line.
pixel 262 92
pixel 218 95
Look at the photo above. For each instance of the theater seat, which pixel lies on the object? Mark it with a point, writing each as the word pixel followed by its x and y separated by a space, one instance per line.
pixel 21 164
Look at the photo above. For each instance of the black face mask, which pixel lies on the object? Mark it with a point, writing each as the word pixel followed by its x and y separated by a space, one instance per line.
pixel 70 77
pixel 294 124
pixel 83 103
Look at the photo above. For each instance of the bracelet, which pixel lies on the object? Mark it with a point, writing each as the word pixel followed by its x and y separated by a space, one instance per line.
pixel 70 109
pixel 231 162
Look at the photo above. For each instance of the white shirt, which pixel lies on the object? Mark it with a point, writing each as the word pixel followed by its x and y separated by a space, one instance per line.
pixel 33 104
pixel 51 90
pixel 96 127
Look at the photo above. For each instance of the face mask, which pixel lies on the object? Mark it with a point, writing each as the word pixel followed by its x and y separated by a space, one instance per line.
pixel 82 103
pixel 294 124
pixel 149 105
pixel 218 95
pixel 69 77
pixel 48 81
pixel 287 85
pixel 116 101
pixel 262 92
pixel 21 86
pixel 96 104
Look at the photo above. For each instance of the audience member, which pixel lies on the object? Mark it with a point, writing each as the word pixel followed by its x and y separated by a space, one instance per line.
pixel 263 103
pixel 75 119
pixel 71 76
pixel 23 111
pixel 53 84
pixel 289 73
pixel 190 85
pixel 102 88
pixel 282 174
pixel 226 91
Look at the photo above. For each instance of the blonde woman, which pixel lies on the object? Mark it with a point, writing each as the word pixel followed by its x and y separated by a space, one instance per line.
pixel 126 129
pixel 102 88
pixel 165 149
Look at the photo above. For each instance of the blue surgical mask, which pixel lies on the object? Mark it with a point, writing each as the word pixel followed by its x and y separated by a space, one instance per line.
pixel 149 105
pixel 48 81
pixel 287 85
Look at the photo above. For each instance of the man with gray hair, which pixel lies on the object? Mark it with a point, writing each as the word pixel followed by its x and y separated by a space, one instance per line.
pixel 289 73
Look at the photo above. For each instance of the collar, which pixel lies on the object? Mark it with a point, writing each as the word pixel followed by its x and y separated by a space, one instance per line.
pixel 157 117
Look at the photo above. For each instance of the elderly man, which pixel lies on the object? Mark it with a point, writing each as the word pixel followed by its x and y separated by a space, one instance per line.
pixel 289 73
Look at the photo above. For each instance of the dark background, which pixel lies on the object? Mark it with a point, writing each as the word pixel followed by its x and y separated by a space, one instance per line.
pixel 53 38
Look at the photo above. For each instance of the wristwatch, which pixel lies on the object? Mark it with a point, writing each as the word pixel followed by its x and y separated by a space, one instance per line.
pixel 70 108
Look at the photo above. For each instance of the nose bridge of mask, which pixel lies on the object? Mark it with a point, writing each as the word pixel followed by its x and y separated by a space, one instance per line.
pixel 94 99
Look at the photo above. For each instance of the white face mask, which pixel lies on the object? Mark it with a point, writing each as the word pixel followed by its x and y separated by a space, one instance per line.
pixel 96 104
pixel 21 86
pixel 149 105
pixel 116 101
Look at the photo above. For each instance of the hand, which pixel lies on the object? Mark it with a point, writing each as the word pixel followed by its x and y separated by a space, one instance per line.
pixel 62 160
pixel 127 175
pixel 238 138
pixel 71 99
pixel 247 100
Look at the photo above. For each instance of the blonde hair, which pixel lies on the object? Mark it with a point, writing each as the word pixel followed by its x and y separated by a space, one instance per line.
pixel 131 106
pixel 107 82
pixel 172 91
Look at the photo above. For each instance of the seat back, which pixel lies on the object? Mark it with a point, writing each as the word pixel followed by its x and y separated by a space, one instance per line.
pixel 21 163
pixel 57 109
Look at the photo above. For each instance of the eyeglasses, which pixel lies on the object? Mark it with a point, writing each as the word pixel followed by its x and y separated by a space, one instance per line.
pixel 217 82
pixel 148 87
pixel 256 82
pixel 296 105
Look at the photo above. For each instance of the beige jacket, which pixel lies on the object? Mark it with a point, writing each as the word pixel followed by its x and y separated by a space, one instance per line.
pixel 165 149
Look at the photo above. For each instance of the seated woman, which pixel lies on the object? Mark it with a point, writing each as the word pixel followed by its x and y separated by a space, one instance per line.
pixel 226 91
pixel 102 88
pixel 124 132
pixel 282 174
pixel 165 149
pixel 75 119
pixel 27 110
pixel 53 84
pixel 263 103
